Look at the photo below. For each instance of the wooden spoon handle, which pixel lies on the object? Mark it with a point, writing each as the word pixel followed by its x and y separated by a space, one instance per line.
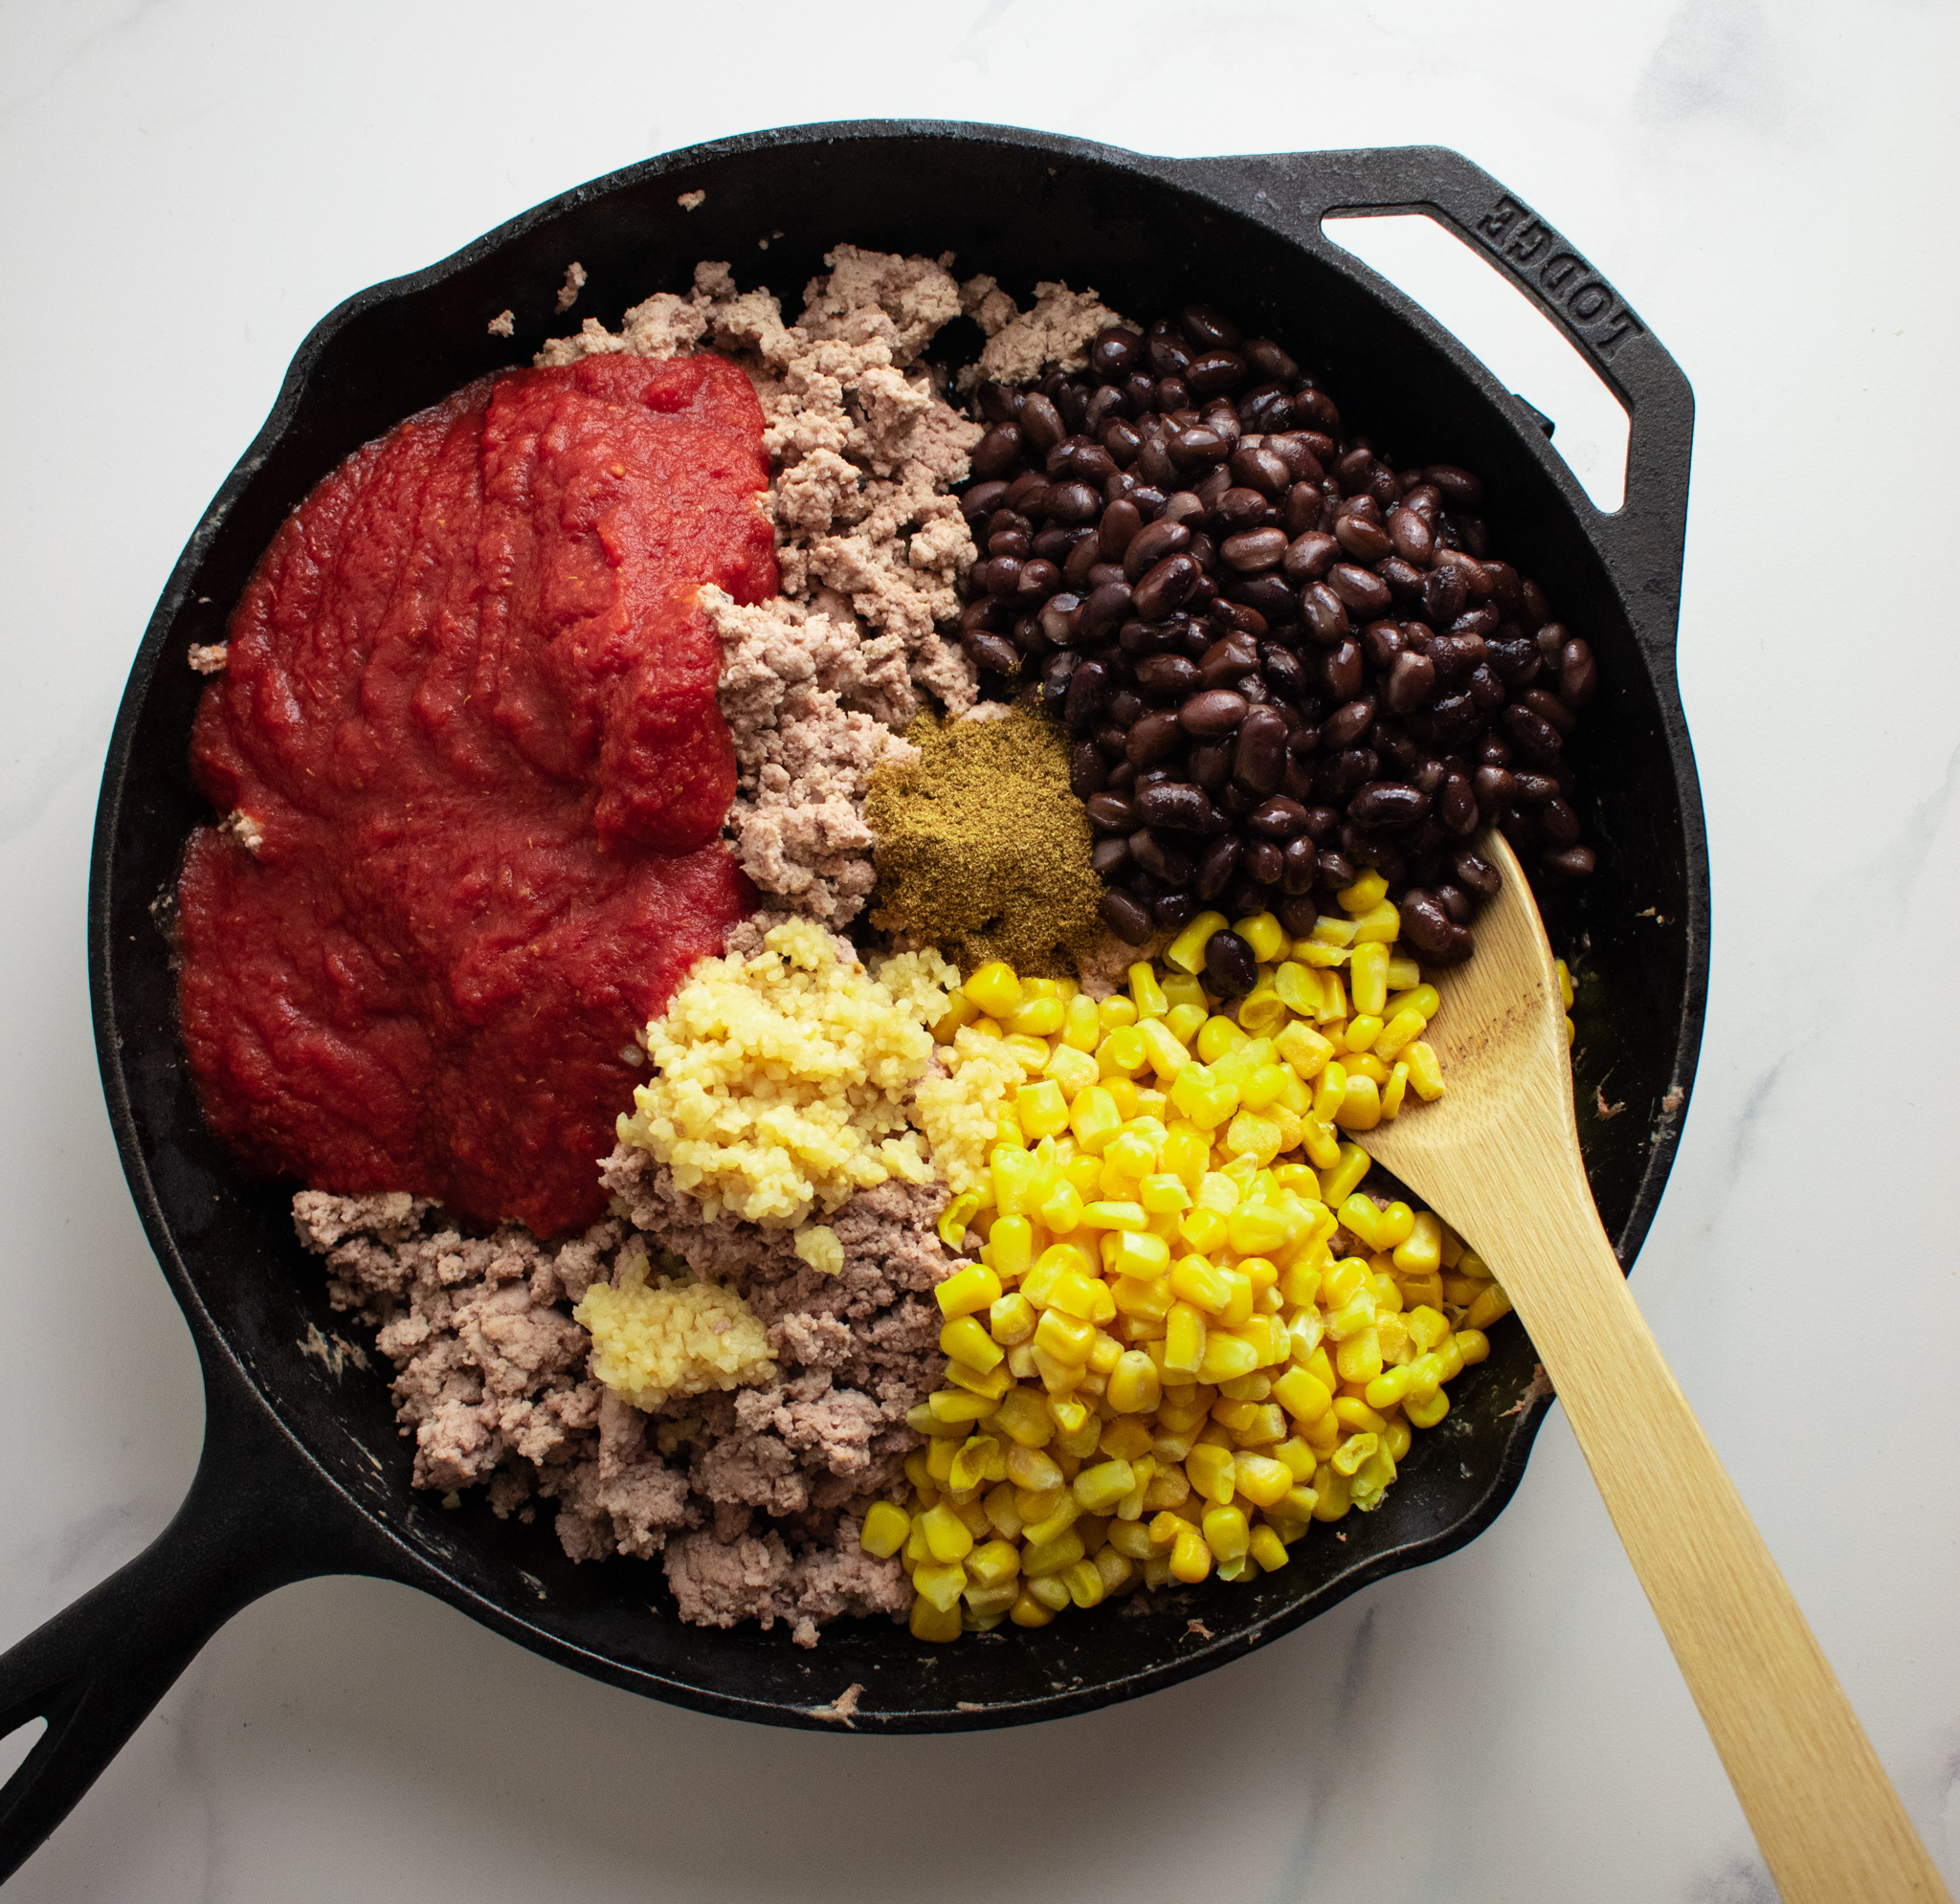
pixel 1829 1826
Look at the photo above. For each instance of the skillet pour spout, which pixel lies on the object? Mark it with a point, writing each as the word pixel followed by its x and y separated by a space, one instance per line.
pixel 304 1471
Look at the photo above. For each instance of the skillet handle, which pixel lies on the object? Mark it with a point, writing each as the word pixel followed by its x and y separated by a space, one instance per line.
pixel 250 1523
pixel 1643 540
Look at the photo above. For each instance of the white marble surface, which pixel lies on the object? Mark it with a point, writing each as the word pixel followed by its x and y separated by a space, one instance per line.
pixel 189 186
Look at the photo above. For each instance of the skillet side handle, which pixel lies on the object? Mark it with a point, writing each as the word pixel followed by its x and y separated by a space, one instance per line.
pixel 250 1523
pixel 1644 540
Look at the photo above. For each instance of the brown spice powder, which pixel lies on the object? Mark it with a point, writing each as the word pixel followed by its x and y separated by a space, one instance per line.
pixel 982 849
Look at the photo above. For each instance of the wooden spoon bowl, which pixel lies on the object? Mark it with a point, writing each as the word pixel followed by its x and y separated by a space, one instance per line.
pixel 1498 1158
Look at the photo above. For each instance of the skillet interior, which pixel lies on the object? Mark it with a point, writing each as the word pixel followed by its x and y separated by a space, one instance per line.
pixel 1149 234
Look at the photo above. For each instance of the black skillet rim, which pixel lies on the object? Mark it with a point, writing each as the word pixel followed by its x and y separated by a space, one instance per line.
pixel 388 1550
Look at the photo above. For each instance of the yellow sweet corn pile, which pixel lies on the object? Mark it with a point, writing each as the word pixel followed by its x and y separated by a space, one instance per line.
pixel 1158 1368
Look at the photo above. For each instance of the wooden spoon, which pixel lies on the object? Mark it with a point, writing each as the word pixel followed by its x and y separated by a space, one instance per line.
pixel 1498 1158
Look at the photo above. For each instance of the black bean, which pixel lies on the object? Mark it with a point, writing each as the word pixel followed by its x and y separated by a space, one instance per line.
pixel 1263 470
pixel 1090 691
pixel 1173 912
pixel 1038 581
pixel 1254 550
pixel 990 651
pixel 1487 692
pixel 1228 660
pixel 1348 723
pixel 1109 857
pixel 1336 868
pixel 1270 361
pixel 1299 865
pixel 1301 512
pixel 1163 858
pixel 1578 675
pixel 1211 764
pixel 1269 598
pixel 1167 678
pixel 1477 873
pixel 1359 588
pixel 1308 558
pixel 1340 774
pixel 1574 862
pixel 1341 671
pixel 1212 371
pixel 1041 422
pixel 1073 502
pixel 1298 912
pixel 1209 328
pixel 1153 740
pixel 1455 804
pixel 1461 490
pixel 1212 713
pixel 1549 708
pixel 1410 535
pixel 1443 595
pixel 1559 823
pixel 1535 737
pixel 1110 813
pixel 1165 586
pixel 998 451
pixel 1282 668
pixel 1172 397
pixel 1125 706
pixel 1114 353
pixel 1150 545
pixel 999 403
pixel 1278 819
pixel 982 499
pixel 1324 613
pixel 1411 680
pixel 1218 867
pixel 1293 450
pixel 1179 806
pixel 1264 862
pixel 1088 773
pixel 1124 917
pixel 1196 448
pixel 1229 964
pixel 1363 541
pixel 1387 805
pixel 1260 757
pixel 1424 923
pixel 1203 551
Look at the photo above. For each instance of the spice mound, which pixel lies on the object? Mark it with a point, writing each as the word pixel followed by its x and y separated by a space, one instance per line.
pixel 982 850
pixel 468 740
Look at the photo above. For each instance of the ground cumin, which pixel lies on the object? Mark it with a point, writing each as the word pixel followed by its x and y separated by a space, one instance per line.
pixel 981 848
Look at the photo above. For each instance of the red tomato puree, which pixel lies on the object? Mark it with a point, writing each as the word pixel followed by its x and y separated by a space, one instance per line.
pixel 470 710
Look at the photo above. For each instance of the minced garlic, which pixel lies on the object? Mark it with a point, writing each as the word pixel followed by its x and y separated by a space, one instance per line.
pixel 959 1110
pixel 780 1082
pixel 651 1343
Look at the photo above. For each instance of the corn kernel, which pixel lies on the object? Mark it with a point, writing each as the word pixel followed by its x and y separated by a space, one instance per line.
pixel 1094 1119
pixel 1265 934
pixel 965 1340
pixel 1345 1176
pixel 1098 1488
pixel 887 1528
pixel 1187 951
pixel 1368 977
pixel 996 990
pixel 1256 1230
pixel 1166 1053
pixel 1066 1338
pixel 1360 1106
pixel 1115 1013
pixel 1134 1387
pixel 1213 1471
pixel 1226 1355
pixel 1163 1193
pixel 1365 893
pixel 1359 1357
pixel 1041 1108
pixel 1037 1017
pixel 946 1537
pixel 1184 1340
pixel 1145 994
pixel 955 1219
pixel 1491 1306
pixel 1261 1479
pixel 1050 1553
pixel 1397 1035
pixel 1473 1344
pixel 1226 1532
pixel 1425 1070
pixel 932 1621
pixel 1380 922
pixel 1191 1558
pixel 1566 990
pixel 1028 1611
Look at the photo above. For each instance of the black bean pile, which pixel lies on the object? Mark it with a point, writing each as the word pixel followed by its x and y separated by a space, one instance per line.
pixel 1281 660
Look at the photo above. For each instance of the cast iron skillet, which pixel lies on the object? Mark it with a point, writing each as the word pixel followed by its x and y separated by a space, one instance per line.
pixel 303 1472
